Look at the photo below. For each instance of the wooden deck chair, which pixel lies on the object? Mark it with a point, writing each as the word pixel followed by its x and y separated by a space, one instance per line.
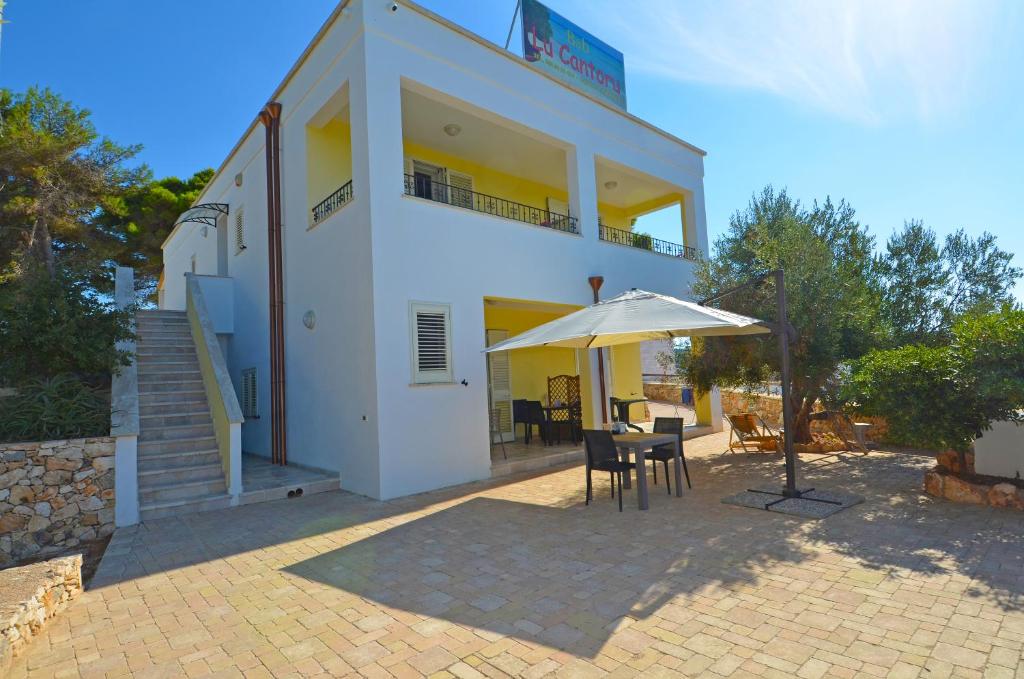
pixel 842 426
pixel 752 434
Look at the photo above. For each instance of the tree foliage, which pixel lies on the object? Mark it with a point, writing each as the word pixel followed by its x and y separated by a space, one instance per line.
pixel 943 397
pixel 131 231
pixel 57 173
pixel 926 287
pixel 827 258
pixel 53 326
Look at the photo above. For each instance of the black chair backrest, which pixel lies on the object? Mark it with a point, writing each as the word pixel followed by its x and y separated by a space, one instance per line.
pixel 600 446
pixel 668 425
pixel 534 412
pixel 519 409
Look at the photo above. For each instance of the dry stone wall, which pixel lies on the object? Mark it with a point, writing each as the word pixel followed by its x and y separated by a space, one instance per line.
pixel 29 597
pixel 54 495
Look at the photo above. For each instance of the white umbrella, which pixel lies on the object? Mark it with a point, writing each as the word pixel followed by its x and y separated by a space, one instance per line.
pixel 631 317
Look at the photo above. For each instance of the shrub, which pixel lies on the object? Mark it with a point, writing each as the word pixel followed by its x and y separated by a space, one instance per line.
pixel 945 397
pixel 55 326
pixel 55 408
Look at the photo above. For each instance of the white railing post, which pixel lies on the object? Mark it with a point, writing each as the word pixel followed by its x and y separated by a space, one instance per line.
pixel 124 414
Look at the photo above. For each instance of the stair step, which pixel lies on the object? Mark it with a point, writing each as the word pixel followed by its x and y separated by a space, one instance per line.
pixel 174 419
pixel 187 490
pixel 194 406
pixel 191 458
pixel 166 399
pixel 181 431
pixel 181 445
pixel 148 377
pixel 156 478
pixel 159 510
pixel 168 351
pixel 169 387
pixel 168 367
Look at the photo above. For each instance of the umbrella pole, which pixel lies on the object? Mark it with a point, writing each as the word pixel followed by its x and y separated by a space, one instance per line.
pixel 595 286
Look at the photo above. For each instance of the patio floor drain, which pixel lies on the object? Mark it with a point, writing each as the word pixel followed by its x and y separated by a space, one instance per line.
pixel 808 509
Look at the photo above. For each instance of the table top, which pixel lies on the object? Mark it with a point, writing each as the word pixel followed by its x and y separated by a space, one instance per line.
pixel 630 401
pixel 643 439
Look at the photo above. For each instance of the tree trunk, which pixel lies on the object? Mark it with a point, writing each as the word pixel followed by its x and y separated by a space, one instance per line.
pixel 802 407
pixel 40 246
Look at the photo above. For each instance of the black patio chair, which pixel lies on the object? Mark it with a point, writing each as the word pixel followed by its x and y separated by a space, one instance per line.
pixel 535 416
pixel 665 453
pixel 603 456
pixel 520 415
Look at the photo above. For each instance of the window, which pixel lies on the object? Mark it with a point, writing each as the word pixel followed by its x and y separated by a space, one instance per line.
pixel 249 399
pixel 239 230
pixel 431 328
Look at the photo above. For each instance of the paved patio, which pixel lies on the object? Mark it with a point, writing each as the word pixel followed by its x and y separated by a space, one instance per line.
pixel 517 577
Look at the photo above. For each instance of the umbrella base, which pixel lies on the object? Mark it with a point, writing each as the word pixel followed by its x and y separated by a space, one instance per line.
pixel 809 503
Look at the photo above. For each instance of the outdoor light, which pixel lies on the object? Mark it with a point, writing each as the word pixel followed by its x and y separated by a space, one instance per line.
pixel 309 319
pixel 611 185
pixel 452 130
pixel 238 179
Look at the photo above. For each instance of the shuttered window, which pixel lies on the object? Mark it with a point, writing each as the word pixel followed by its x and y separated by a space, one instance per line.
pixel 431 343
pixel 239 230
pixel 461 189
pixel 249 400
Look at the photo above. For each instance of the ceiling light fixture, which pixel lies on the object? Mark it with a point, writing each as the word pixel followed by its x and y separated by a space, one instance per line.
pixel 611 185
pixel 452 130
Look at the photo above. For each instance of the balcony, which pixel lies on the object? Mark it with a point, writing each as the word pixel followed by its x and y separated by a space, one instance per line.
pixel 421 186
pixel 332 203
pixel 645 241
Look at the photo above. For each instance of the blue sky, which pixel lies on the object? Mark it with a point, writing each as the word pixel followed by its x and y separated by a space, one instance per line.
pixel 908 110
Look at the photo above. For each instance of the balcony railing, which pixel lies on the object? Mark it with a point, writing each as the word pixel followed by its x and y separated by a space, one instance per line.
pixel 457 196
pixel 332 203
pixel 644 241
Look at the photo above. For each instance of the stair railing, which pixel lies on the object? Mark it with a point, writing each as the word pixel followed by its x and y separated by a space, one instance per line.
pixel 224 408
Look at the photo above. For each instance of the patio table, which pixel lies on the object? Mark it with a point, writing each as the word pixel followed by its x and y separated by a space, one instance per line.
pixel 639 443
pixel 622 409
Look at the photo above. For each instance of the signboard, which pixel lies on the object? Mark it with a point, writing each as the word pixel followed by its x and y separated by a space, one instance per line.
pixel 569 53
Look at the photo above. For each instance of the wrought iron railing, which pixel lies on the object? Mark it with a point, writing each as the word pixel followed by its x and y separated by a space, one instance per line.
pixel 645 241
pixel 332 203
pixel 458 196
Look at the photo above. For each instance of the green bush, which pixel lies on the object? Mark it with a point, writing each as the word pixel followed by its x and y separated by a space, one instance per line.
pixel 51 327
pixel 945 397
pixel 55 408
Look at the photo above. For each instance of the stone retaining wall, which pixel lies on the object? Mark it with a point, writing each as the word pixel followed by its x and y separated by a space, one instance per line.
pixel 30 596
pixel 769 407
pixel 954 481
pixel 54 495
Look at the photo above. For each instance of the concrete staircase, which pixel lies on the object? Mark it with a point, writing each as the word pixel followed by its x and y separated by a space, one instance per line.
pixel 179 465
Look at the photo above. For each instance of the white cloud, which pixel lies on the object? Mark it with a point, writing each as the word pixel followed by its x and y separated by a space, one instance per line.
pixel 864 60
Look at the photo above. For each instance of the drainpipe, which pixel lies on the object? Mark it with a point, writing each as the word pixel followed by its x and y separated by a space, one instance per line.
pixel 270 116
pixel 595 285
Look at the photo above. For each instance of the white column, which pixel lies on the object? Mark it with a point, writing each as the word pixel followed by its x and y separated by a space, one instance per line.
pixel 582 179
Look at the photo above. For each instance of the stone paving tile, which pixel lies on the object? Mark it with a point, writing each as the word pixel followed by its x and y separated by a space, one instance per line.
pixel 518 578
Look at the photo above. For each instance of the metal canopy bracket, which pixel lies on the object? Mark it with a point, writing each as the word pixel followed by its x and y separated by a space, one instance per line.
pixel 205 213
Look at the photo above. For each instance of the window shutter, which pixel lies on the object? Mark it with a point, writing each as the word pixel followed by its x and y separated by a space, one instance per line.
pixel 461 189
pixel 239 230
pixel 431 343
pixel 249 394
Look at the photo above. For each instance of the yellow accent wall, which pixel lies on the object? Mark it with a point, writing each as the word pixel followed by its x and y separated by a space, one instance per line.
pixel 702 406
pixel 627 378
pixel 491 182
pixel 530 368
pixel 328 159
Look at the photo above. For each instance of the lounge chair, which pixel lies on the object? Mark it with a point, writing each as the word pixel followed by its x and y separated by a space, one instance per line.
pixel 751 433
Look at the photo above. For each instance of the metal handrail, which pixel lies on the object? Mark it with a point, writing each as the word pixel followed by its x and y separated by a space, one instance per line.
pixel 333 203
pixel 645 241
pixel 492 205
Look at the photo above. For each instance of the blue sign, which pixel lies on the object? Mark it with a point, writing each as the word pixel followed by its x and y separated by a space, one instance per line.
pixel 569 53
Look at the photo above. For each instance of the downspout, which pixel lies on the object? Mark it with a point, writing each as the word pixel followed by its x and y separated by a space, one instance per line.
pixel 595 285
pixel 270 116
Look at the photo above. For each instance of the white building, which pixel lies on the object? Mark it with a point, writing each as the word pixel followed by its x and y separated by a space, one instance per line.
pixel 483 194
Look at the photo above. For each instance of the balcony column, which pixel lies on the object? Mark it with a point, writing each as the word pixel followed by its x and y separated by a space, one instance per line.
pixel 696 220
pixel 582 180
